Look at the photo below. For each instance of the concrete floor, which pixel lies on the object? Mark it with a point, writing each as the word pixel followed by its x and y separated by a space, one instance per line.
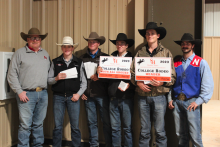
pixel 211 124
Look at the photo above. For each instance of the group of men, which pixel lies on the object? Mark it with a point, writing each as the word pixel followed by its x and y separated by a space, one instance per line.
pixel 31 69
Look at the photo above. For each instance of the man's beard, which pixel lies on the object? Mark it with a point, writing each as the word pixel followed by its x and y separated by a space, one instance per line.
pixel 186 52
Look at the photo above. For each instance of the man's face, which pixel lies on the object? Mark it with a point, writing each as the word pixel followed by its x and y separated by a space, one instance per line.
pixel 67 49
pixel 152 36
pixel 121 46
pixel 34 41
pixel 187 46
pixel 93 45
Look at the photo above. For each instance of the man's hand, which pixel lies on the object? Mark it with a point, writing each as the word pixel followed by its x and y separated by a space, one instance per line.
pixel 143 87
pixel 94 77
pixel 60 76
pixel 171 106
pixel 193 106
pixel 154 82
pixel 99 69
pixel 125 88
pixel 23 97
pixel 84 97
pixel 75 97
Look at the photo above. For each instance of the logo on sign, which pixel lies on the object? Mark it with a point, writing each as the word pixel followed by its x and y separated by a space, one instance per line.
pixel 140 61
pixel 115 60
pixel 152 61
pixel 104 60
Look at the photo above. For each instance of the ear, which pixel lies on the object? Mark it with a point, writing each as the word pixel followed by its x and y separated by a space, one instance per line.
pixel 158 35
pixel 193 46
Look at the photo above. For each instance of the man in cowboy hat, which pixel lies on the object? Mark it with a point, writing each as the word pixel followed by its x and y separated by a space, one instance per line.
pixel 27 77
pixel 151 96
pixel 96 95
pixel 194 86
pixel 66 91
pixel 121 103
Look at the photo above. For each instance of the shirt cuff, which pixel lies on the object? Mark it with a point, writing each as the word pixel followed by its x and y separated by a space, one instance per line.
pixel 199 101
pixel 19 91
pixel 80 92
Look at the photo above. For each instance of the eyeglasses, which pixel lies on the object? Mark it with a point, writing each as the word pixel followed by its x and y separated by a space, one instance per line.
pixel 187 44
pixel 91 42
pixel 120 44
pixel 64 46
pixel 35 38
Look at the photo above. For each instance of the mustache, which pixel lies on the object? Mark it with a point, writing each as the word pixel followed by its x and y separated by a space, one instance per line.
pixel 185 48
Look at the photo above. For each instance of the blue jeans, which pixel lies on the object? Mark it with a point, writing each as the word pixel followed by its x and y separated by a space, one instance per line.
pixel 60 103
pixel 158 105
pixel 31 116
pixel 102 104
pixel 187 123
pixel 121 108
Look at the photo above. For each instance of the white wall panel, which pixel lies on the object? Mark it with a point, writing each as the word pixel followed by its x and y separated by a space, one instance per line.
pixel 216 28
pixel 209 15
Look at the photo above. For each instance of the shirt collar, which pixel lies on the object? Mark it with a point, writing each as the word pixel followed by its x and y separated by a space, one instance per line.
pixel 123 54
pixel 28 49
pixel 190 58
pixel 69 60
pixel 93 55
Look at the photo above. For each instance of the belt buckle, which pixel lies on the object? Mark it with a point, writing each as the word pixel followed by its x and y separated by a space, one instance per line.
pixel 181 97
pixel 38 89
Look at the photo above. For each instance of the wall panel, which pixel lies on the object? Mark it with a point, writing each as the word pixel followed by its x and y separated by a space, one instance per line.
pixel 209 16
pixel 216 17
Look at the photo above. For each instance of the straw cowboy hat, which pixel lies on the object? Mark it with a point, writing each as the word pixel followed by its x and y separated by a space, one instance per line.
pixel 67 40
pixel 123 37
pixel 33 31
pixel 188 37
pixel 95 36
pixel 152 25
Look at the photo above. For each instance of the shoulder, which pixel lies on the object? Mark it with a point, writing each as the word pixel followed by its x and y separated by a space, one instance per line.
pixel 103 54
pixel 44 52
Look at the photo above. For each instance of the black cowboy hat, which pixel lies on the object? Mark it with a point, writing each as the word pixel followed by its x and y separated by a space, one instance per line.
pixel 33 31
pixel 188 37
pixel 152 25
pixel 95 36
pixel 123 37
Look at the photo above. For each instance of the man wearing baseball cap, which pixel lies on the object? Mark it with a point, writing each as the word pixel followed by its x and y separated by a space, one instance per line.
pixel 194 86
pixel 27 77
pixel 67 91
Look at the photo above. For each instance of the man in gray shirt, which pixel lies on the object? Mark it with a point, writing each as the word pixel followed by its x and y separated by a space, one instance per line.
pixel 66 91
pixel 27 77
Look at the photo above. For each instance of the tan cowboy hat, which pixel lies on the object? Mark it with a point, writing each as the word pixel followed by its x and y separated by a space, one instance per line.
pixel 33 31
pixel 95 36
pixel 67 40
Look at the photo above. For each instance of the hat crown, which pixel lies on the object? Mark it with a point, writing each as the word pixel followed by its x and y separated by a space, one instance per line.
pixel 34 31
pixel 151 25
pixel 121 36
pixel 93 35
pixel 67 40
pixel 187 37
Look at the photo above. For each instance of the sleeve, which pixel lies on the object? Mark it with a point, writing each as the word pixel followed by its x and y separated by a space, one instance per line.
pixel 51 79
pixel 132 70
pixel 83 84
pixel 13 74
pixel 207 84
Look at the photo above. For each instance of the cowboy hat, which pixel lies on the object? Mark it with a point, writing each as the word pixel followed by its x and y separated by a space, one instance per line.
pixel 67 40
pixel 123 37
pixel 152 25
pixel 95 36
pixel 33 31
pixel 188 37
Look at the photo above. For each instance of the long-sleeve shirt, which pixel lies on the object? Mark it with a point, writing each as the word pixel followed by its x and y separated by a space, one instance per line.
pixel 207 83
pixel 28 69
pixel 51 79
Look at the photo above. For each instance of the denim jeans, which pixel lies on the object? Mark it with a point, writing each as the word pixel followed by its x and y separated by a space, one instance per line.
pixel 121 108
pixel 158 105
pixel 60 103
pixel 187 123
pixel 102 104
pixel 31 116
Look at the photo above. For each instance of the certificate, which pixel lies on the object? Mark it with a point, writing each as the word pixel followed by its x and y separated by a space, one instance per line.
pixel 115 67
pixel 148 68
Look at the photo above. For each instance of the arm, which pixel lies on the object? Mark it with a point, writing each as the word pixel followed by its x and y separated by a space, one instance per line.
pixel 51 79
pixel 132 70
pixel 207 83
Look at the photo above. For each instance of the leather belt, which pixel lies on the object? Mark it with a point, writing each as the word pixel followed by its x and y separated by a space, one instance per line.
pixel 38 89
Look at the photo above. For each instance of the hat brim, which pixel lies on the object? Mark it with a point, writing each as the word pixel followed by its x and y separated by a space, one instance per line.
pixel 160 30
pixel 100 39
pixel 25 36
pixel 75 45
pixel 130 42
pixel 196 42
